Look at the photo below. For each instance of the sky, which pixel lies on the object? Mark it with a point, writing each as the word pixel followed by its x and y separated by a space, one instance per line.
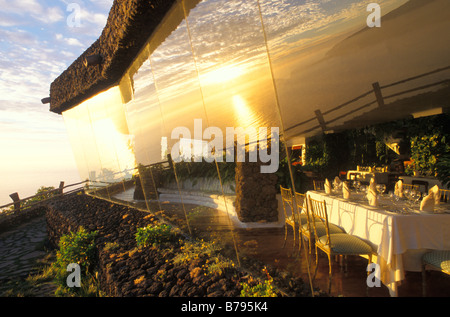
pixel 39 39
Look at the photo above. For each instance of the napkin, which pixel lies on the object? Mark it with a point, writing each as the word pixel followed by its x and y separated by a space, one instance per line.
pixel 372 194
pixel 428 202
pixel 327 186
pixel 398 191
pixel 436 193
pixel 346 190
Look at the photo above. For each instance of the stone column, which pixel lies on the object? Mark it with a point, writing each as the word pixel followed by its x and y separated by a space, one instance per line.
pixel 256 192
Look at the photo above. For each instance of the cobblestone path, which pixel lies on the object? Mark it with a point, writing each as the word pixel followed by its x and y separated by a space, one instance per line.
pixel 20 248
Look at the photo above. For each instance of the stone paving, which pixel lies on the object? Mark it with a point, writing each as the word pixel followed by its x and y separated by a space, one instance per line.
pixel 21 247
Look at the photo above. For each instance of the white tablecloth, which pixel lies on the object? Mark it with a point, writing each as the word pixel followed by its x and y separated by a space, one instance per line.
pixel 398 240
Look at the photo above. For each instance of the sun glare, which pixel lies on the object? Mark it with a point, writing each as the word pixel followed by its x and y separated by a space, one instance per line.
pixel 223 75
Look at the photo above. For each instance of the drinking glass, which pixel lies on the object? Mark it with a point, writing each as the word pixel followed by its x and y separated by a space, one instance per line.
pixel 381 188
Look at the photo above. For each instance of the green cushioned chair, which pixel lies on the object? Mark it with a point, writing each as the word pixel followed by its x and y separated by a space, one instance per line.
pixel 306 228
pixel 333 244
pixel 345 244
pixel 438 260
pixel 321 230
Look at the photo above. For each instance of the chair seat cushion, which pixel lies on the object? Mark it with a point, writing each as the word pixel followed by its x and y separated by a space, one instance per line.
pixel 303 219
pixel 343 243
pixel 439 259
pixel 321 231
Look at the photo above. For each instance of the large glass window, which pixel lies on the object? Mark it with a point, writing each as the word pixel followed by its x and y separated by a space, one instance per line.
pixel 217 76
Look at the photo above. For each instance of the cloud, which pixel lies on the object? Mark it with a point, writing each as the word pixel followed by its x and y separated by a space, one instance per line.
pixel 68 40
pixel 30 8
pixel 50 15
pixel 21 7
pixel 8 20
pixel 17 36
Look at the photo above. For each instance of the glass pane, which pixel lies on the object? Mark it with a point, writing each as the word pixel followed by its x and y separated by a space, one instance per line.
pixel 240 105
pixel 334 71
pixel 71 118
pixel 96 178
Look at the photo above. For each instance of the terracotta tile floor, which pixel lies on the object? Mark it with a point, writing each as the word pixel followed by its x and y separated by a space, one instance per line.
pixel 353 284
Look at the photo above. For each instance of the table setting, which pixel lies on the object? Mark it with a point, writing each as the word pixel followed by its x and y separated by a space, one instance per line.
pixel 401 225
pixel 403 201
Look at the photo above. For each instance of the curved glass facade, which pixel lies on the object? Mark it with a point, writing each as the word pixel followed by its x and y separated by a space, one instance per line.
pixel 216 67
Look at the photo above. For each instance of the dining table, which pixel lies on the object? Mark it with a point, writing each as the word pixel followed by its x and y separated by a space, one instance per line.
pixel 398 232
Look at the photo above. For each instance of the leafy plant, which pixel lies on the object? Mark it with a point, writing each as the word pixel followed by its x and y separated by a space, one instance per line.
pixel 154 235
pixel 443 170
pixel 256 288
pixel 77 247
pixel 215 263
pixel 425 151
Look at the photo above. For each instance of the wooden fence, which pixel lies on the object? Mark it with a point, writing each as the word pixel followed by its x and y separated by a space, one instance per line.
pixel 26 203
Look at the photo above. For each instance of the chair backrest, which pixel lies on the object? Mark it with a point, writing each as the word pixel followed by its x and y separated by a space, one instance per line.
pixel 286 198
pixel 303 208
pixel 300 200
pixel 319 185
pixel 445 195
pixel 410 187
pixel 318 210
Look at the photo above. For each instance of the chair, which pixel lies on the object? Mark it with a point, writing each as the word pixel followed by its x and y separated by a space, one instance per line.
pixel 353 176
pixel 438 260
pixel 445 195
pixel 334 244
pixel 319 185
pixel 304 224
pixel 410 187
pixel 289 220
pixel 306 228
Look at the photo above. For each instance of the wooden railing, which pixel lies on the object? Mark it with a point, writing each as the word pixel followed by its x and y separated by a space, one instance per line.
pixel 22 204
pixel 379 99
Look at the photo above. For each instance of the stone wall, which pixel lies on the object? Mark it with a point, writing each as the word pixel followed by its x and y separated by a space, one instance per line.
pixel 256 192
pixel 128 270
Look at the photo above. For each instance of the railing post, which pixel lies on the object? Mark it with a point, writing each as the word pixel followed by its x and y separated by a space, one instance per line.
pixel 378 94
pixel 169 159
pixel 321 120
pixel 61 187
pixel 16 200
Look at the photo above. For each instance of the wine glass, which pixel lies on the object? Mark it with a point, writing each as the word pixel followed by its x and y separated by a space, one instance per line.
pixel 407 193
pixel 394 198
pixel 415 196
pixel 381 188
pixel 363 189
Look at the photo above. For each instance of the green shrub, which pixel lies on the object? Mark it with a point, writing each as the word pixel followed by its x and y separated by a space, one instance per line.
pixel 154 235
pixel 77 247
pixel 256 288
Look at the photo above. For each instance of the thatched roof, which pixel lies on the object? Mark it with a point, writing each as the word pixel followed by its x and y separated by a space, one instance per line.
pixel 129 26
